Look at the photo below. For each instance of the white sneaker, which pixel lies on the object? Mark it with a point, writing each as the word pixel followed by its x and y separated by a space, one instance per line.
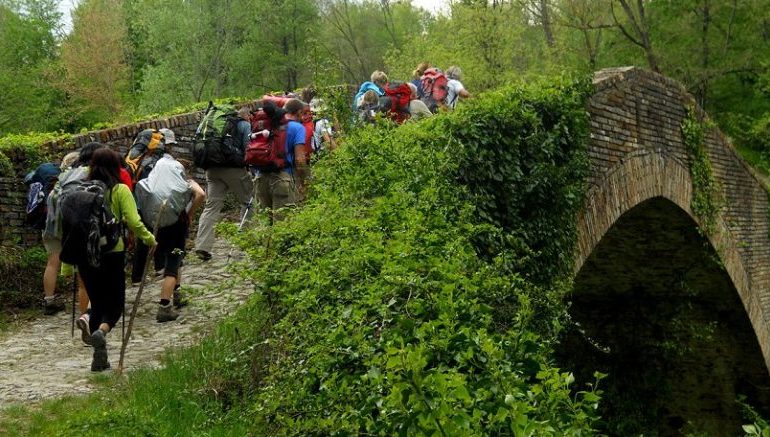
pixel 85 331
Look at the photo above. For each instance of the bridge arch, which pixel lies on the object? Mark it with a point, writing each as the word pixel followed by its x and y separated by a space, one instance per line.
pixel 637 153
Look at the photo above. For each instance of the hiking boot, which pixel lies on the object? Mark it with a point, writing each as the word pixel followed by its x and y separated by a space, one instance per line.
pixel 180 299
pixel 166 314
pixel 99 362
pixel 53 305
pixel 203 255
pixel 85 331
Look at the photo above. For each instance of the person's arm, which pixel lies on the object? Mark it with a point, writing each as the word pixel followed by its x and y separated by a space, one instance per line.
pixel 464 93
pixel 199 196
pixel 244 130
pixel 130 216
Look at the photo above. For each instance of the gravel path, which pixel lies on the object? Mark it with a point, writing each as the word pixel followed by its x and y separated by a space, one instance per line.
pixel 42 360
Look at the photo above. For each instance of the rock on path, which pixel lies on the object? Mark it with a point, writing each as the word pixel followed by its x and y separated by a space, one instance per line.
pixel 41 360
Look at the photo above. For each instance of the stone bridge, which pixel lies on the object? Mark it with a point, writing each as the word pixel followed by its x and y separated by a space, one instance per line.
pixel 646 266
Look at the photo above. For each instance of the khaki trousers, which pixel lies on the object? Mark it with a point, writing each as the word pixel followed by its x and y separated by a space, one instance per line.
pixel 275 191
pixel 220 181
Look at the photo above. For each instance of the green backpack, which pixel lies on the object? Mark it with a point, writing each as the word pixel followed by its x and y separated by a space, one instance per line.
pixel 216 142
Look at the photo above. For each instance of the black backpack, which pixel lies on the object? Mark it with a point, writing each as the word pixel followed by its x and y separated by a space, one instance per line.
pixel 40 182
pixel 216 139
pixel 89 228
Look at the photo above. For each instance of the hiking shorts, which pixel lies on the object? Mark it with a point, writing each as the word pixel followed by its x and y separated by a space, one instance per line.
pixel 52 245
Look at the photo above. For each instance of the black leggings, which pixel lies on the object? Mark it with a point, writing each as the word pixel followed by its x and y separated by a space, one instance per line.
pixel 106 288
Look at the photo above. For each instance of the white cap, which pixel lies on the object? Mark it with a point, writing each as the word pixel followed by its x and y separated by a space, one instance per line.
pixel 168 136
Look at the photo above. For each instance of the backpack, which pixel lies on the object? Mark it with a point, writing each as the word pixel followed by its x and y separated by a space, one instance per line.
pixel 40 182
pixel 268 153
pixel 89 228
pixel 146 150
pixel 215 143
pixel 396 101
pixel 434 88
pixel 68 179
pixel 166 182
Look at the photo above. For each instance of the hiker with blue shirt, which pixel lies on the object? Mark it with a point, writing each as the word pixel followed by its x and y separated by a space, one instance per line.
pixel 378 81
pixel 277 188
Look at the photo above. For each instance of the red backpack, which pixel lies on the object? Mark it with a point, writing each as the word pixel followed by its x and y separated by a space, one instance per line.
pixel 267 153
pixel 398 95
pixel 434 88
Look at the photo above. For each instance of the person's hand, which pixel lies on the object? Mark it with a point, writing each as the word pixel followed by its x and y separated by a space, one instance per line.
pixel 265 133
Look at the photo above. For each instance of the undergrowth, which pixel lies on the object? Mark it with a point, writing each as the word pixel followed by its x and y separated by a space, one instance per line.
pixel 418 292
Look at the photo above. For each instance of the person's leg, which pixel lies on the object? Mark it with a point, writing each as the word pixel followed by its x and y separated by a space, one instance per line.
pixel 138 263
pixel 83 322
pixel 114 287
pixel 173 237
pixel 92 281
pixel 52 304
pixel 284 194
pixel 215 200
pixel 51 273
pixel 82 295
pixel 240 183
pixel 264 195
pixel 112 283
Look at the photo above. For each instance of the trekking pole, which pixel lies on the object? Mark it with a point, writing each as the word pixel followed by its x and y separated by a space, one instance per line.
pixel 150 254
pixel 74 297
pixel 240 225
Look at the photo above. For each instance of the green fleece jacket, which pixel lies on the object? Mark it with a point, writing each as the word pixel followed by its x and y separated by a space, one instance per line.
pixel 123 206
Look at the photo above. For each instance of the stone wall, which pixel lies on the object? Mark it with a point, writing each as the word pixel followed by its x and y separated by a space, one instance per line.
pixel 13 191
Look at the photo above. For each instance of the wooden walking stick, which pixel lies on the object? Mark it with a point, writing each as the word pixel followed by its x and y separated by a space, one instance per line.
pixel 147 262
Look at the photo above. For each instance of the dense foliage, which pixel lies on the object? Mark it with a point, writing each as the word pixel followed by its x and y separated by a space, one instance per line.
pixel 400 294
pixel 398 300
pixel 114 60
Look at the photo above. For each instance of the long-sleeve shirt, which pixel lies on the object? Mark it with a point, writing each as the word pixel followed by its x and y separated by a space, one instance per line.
pixel 243 129
pixel 123 207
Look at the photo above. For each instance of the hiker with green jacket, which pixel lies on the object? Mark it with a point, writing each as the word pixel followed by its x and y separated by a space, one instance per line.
pixel 106 284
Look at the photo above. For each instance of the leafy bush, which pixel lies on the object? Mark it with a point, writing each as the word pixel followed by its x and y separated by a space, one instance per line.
pixel 25 149
pixel 418 291
pixel 411 295
pixel 22 270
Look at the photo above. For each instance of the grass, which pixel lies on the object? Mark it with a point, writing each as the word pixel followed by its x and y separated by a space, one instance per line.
pixel 191 394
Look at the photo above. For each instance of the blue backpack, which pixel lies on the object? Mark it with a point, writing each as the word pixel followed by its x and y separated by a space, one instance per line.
pixel 40 182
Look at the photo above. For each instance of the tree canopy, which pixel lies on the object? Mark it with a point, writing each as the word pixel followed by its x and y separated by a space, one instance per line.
pixel 124 59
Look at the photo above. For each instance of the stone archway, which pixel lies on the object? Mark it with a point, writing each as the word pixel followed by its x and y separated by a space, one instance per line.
pixel 638 204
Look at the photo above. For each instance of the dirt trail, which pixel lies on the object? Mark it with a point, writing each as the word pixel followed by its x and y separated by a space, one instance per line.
pixel 41 360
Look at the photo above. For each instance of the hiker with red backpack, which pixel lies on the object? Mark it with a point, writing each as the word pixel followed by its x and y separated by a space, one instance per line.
pixel 282 163
pixel 455 88
pixel 93 216
pixel 231 133
pixel 434 89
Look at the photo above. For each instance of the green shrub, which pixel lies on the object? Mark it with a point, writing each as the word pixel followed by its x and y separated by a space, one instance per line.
pixel 415 293
pixel 22 273
pixel 418 291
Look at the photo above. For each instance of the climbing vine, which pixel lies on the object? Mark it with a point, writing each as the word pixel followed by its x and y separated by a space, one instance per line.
pixel 706 199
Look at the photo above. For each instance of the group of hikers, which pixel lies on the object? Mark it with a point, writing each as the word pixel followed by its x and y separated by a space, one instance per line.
pixel 96 205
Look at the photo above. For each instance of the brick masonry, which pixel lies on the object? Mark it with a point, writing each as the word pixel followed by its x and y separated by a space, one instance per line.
pixel 637 153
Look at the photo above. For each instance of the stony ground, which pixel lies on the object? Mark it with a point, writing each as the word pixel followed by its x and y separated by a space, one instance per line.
pixel 41 360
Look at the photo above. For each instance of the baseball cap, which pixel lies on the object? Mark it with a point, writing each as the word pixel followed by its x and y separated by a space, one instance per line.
pixel 169 136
